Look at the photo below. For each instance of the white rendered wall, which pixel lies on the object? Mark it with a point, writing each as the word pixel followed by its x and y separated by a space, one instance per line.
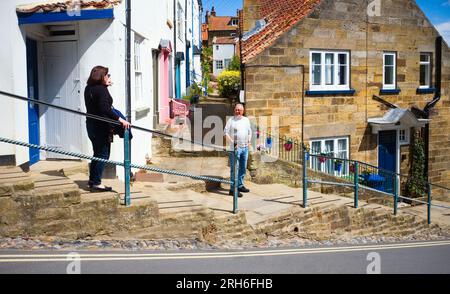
pixel 224 51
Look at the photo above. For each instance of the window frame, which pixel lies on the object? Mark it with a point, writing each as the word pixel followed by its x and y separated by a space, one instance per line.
pixel 221 62
pixel 323 167
pixel 405 141
pixel 430 69
pixel 138 86
pixel 336 66
pixel 180 22
pixel 394 74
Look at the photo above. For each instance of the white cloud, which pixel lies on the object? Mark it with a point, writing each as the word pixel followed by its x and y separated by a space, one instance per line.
pixel 444 30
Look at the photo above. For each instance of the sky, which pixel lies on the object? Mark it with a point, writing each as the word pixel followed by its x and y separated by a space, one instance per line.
pixel 437 11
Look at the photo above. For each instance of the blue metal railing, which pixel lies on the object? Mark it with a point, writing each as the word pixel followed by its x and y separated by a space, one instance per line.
pixel 126 162
pixel 357 175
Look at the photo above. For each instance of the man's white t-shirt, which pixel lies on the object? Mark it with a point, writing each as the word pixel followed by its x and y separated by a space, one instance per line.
pixel 242 128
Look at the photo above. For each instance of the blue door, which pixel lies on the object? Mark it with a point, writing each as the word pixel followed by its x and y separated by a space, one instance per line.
pixel 188 67
pixel 33 93
pixel 178 79
pixel 387 159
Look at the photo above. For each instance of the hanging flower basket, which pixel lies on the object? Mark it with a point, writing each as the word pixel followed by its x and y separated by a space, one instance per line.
pixel 288 145
pixel 322 158
pixel 269 143
pixel 352 168
pixel 338 165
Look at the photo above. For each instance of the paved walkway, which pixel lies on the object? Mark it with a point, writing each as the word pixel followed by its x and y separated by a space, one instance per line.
pixel 181 194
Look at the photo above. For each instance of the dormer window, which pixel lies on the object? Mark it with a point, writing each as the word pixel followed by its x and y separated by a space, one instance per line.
pixel 234 22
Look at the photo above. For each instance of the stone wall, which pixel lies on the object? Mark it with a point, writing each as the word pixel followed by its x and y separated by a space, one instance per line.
pixel 341 24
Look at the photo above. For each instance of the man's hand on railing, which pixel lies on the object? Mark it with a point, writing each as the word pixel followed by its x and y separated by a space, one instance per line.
pixel 125 124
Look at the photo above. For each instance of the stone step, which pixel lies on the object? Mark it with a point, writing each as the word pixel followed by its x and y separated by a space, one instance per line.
pixel 87 197
pixel 9 170
pixel 64 188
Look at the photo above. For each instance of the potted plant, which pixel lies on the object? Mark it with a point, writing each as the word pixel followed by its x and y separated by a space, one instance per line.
pixel 338 165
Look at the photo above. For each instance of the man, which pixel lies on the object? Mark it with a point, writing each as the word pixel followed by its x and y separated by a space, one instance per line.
pixel 238 133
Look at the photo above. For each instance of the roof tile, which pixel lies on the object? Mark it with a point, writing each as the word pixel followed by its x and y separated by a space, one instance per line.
pixel 280 16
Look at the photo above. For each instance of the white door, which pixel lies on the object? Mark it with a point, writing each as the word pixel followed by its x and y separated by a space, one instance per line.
pixel 62 88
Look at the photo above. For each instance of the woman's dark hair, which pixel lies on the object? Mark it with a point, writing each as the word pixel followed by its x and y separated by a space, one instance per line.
pixel 97 76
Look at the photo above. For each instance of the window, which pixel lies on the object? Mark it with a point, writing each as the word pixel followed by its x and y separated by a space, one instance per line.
pixel 219 64
pixel 334 147
pixel 138 68
pixel 330 70
pixel 389 70
pixel 425 70
pixel 217 47
pixel 403 137
pixel 227 63
pixel 234 22
pixel 180 22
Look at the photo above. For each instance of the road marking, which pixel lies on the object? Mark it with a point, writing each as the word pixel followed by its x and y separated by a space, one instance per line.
pixel 211 255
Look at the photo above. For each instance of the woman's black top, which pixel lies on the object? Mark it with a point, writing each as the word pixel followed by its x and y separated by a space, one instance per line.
pixel 99 102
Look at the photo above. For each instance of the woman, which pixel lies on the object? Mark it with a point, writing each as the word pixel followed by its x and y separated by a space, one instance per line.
pixel 99 102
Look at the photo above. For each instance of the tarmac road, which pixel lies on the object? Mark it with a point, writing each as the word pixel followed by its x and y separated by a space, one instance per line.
pixel 400 258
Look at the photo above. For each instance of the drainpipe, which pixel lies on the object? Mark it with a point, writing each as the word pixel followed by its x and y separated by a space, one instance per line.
pixel 432 103
pixel 175 88
pixel 128 60
pixel 192 43
pixel 128 69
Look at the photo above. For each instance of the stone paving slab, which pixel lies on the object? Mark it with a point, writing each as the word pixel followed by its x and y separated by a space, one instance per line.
pixel 261 204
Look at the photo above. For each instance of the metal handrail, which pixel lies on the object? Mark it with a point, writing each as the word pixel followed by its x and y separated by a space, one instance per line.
pixel 127 163
pixel 356 184
pixel 111 121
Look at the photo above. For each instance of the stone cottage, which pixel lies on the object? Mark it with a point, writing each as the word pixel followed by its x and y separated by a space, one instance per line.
pixel 366 75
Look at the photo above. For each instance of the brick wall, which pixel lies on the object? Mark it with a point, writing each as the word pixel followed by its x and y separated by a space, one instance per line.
pixel 341 24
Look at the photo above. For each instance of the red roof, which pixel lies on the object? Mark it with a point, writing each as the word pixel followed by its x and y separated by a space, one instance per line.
pixel 220 23
pixel 280 16
pixel 224 40
pixel 59 5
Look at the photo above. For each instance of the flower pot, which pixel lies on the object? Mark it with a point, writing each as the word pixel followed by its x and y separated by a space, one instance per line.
pixel 338 167
pixel 322 159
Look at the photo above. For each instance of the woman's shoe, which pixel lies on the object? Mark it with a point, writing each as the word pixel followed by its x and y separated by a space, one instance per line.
pixel 101 188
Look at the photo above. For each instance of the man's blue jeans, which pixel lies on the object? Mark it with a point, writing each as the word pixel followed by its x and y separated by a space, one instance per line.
pixel 242 157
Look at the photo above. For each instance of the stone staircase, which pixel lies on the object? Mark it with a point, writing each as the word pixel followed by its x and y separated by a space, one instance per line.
pixel 49 203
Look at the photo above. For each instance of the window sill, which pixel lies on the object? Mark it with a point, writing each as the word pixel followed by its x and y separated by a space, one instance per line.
pixel 425 90
pixel 330 92
pixel 390 91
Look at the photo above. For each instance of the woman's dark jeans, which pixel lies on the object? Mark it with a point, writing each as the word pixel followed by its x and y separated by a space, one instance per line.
pixel 102 148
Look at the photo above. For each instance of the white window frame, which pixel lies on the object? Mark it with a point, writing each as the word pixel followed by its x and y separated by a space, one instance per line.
pixel 335 140
pixel 221 62
pixel 235 22
pixel 430 70
pixel 138 74
pixel 335 85
pixel 180 22
pixel 226 63
pixel 394 85
pixel 403 139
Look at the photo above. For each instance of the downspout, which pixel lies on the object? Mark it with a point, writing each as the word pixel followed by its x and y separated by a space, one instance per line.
pixel 128 60
pixel 192 44
pixel 430 105
pixel 128 68
pixel 175 88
